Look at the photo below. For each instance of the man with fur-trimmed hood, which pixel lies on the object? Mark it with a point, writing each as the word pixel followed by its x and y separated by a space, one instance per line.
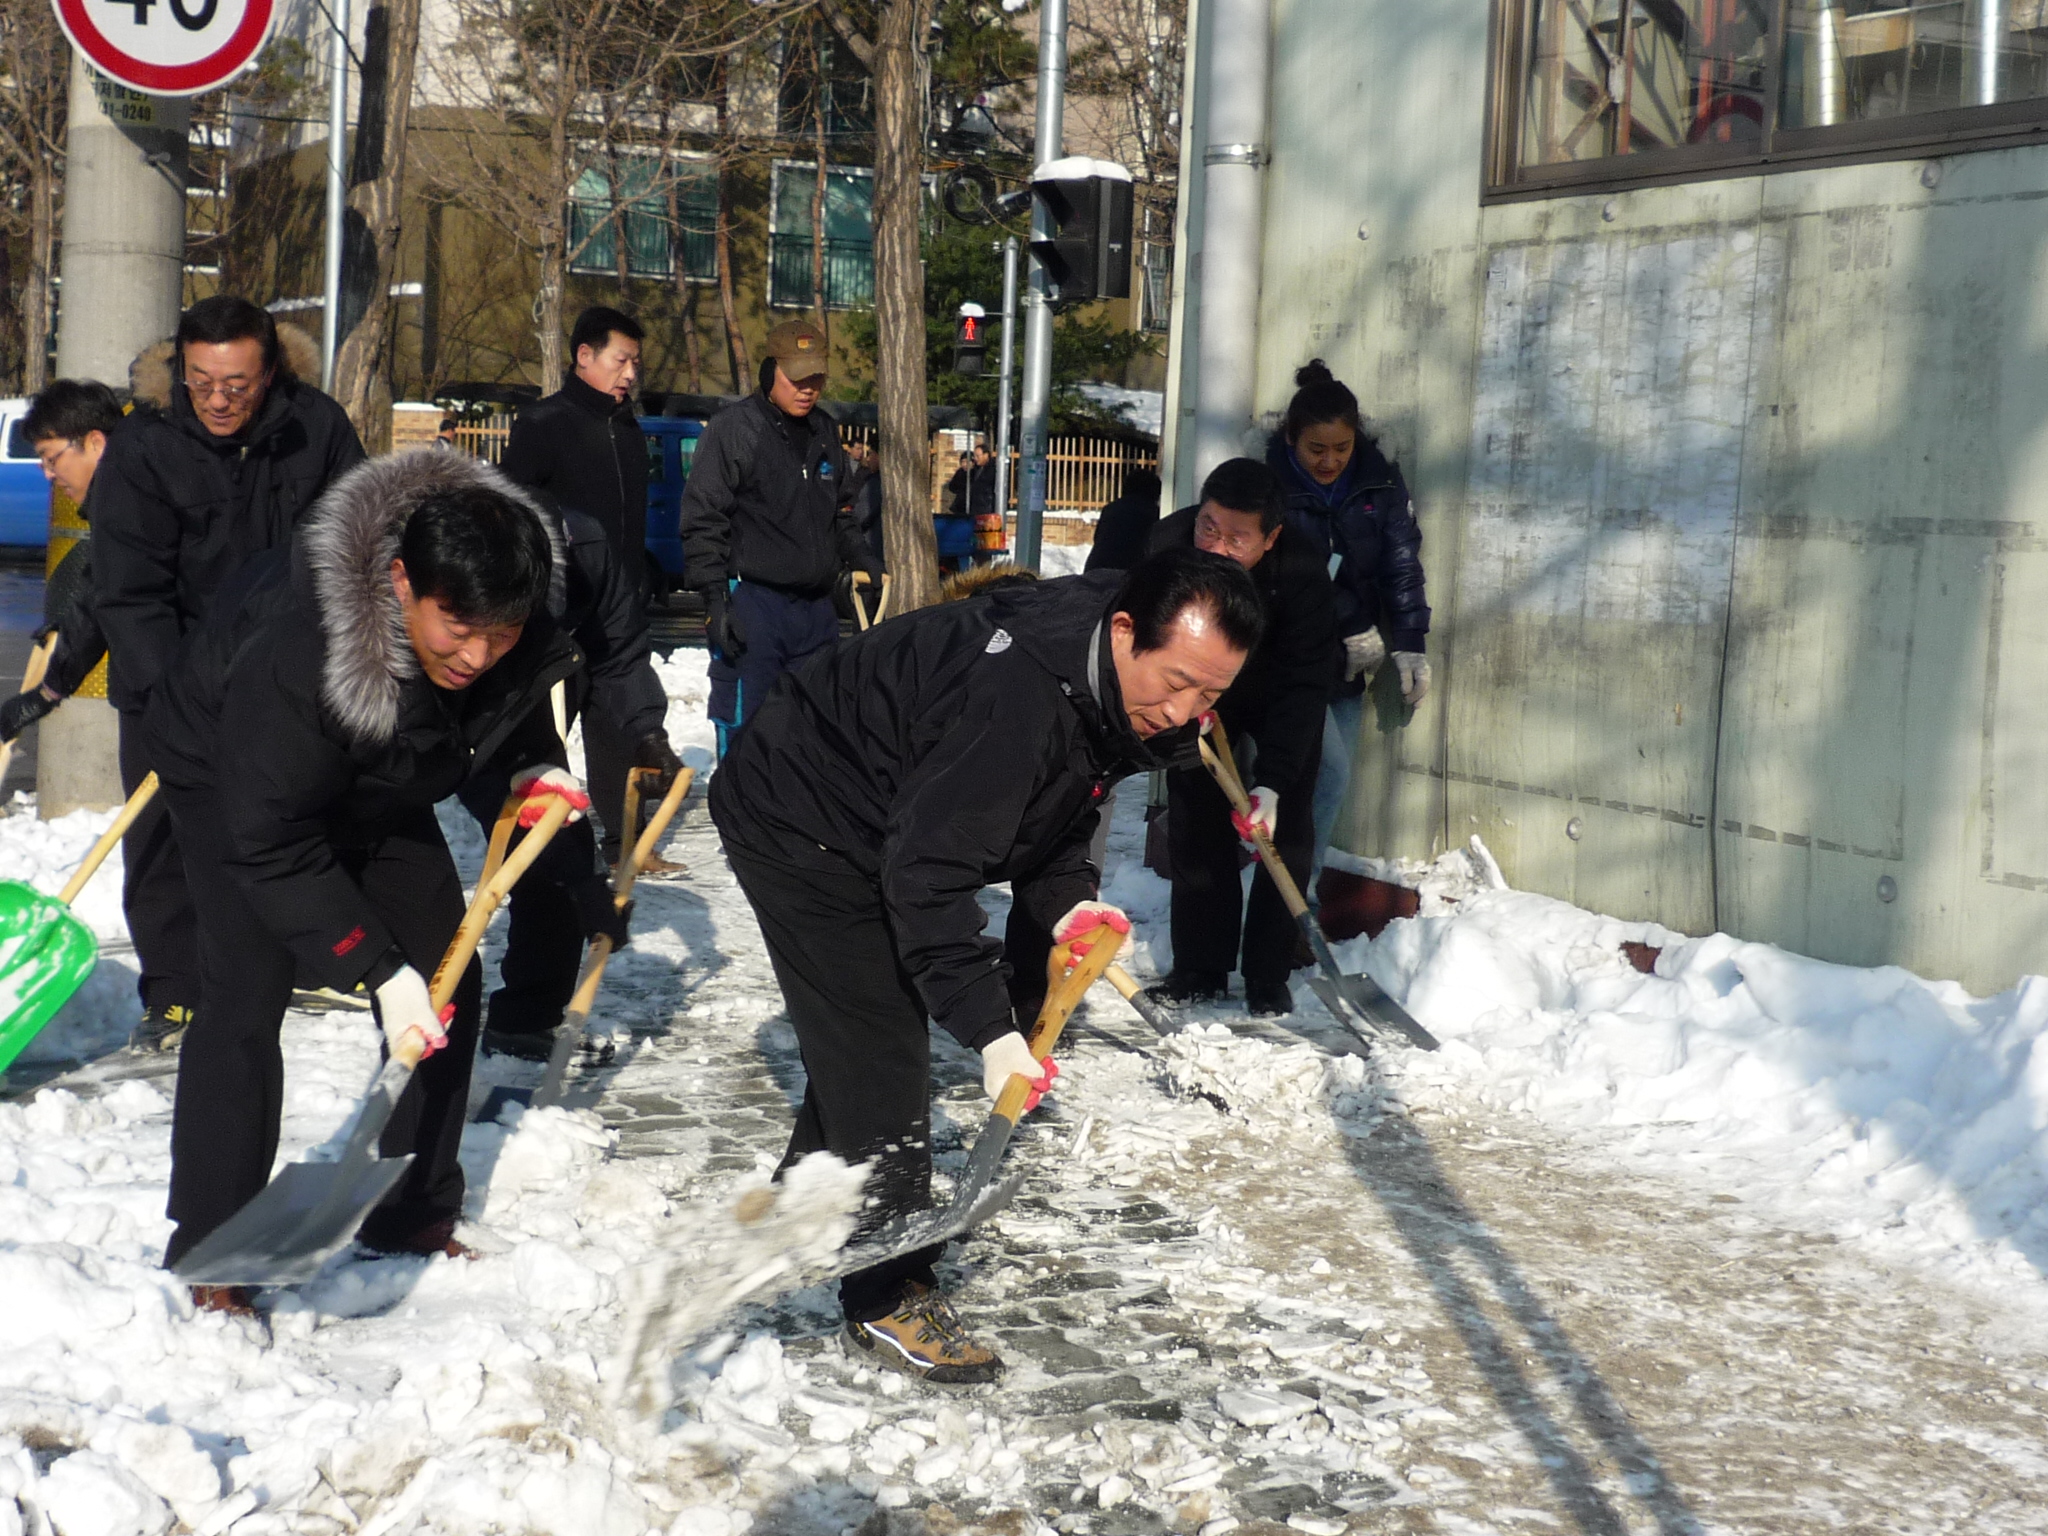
pixel 338 688
pixel 233 454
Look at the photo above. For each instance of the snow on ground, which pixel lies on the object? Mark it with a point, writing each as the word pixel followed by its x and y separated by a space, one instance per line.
pixel 1683 1252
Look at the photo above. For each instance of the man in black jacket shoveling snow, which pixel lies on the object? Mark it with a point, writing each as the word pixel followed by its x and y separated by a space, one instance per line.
pixel 184 494
pixel 337 689
pixel 883 785
pixel 1274 709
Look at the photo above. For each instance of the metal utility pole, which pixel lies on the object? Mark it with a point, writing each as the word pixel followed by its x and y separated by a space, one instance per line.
pixel 1003 387
pixel 337 192
pixel 1033 429
pixel 123 266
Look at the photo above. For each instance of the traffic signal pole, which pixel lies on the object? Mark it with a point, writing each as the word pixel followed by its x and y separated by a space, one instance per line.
pixel 337 191
pixel 1003 388
pixel 1034 427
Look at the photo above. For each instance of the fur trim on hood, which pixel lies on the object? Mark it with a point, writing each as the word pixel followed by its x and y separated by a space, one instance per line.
pixel 149 376
pixel 350 538
pixel 978 579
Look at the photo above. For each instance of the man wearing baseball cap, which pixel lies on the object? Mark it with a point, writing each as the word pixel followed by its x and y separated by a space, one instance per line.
pixel 768 528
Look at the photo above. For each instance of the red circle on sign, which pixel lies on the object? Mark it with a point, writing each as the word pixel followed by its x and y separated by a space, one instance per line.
pixel 217 68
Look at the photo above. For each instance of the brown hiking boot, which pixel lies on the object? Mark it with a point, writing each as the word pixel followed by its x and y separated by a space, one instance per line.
pixel 658 868
pixel 925 1338
pixel 234 1300
pixel 436 1237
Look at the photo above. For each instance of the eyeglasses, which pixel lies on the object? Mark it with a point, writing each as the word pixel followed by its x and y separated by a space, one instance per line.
pixel 203 390
pixel 51 452
pixel 1209 531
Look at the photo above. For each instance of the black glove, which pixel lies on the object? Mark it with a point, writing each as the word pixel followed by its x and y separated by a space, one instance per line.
pixel 720 627
pixel 653 751
pixel 23 711
pixel 599 914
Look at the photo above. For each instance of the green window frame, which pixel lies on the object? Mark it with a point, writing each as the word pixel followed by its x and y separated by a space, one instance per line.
pixel 849 236
pixel 651 242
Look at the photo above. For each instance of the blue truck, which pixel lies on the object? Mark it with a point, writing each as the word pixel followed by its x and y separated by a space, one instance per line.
pixel 671 443
pixel 24 490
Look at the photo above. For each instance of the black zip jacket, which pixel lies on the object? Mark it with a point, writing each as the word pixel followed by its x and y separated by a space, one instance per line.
pixel 768 502
pixel 1285 684
pixel 602 612
pixel 176 511
pixel 942 752
pixel 587 451
pixel 1368 519
pixel 68 613
pixel 298 716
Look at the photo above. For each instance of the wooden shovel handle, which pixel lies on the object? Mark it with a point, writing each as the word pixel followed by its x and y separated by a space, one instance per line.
pixel 144 793
pixel 490 894
pixel 1064 992
pixel 1225 774
pixel 600 951
pixel 501 836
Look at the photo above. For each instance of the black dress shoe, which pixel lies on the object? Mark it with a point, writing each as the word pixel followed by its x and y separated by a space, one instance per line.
pixel 1267 999
pixel 1183 987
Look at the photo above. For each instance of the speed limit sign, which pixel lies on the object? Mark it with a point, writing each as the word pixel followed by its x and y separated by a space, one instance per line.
pixel 168 47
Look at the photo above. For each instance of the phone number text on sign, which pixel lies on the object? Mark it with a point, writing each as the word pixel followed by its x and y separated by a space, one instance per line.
pixel 168 47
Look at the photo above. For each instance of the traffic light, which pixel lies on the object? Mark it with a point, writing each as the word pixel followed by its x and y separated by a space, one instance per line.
pixel 970 340
pixel 1087 206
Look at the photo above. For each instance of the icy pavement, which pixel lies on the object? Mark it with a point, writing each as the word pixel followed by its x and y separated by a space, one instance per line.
pixel 1252 1278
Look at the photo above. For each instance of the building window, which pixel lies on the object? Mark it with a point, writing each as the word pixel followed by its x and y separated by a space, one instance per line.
pixel 653 243
pixel 849 237
pixel 1603 91
pixel 1155 273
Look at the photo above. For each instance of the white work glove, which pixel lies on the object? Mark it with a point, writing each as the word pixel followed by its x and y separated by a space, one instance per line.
pixel 1007 1056
pixel 403 1003
pixel 542 780
pixel 1085 917
pixel 1265 814
pixel 1363 653
pixel 1413 668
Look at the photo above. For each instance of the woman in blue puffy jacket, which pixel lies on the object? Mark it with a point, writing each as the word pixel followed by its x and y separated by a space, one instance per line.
pixel 1350 498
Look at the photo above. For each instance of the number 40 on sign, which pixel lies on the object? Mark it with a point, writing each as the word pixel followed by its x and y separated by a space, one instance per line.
pixel 168 47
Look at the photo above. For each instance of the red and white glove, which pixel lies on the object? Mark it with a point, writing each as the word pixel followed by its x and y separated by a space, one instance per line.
pixel 1007 1056
pixel 1208 721
pixel 404 1004
pixel 1084 918
pixel 541 780
pixel 1265 815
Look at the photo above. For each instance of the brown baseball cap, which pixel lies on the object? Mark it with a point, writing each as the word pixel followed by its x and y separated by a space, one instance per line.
pixel 800 347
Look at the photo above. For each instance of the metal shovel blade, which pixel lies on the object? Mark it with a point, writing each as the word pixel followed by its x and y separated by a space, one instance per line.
pixel 303 1217
pixel 1358 1002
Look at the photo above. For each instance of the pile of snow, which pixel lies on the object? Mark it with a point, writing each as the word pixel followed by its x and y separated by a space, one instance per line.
pixel 1144 409
pixel 1866 1102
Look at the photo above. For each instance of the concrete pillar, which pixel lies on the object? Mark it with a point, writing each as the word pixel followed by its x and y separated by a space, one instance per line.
pixel 122 285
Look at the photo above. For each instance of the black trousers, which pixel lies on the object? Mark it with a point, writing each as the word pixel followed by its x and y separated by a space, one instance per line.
pixel 154 896
pixel 1210 915
pixel 545 937
pixel 865 1040
pixel 608 756
pixel 224 1127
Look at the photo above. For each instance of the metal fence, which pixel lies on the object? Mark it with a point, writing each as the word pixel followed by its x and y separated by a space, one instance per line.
pixel 849 272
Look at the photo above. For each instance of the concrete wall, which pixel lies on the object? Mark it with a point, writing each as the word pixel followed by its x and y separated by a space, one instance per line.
pixel 1735 504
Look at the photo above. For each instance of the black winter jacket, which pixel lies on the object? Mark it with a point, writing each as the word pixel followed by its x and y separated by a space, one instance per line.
pixel 176 511
pixel 768 502
pixel 298 717
pixel 940 753
pixel 587 451
pixel 1123 531
pixel 602 612
pixel 68 613
pixel 1369 520
pixel 1284 687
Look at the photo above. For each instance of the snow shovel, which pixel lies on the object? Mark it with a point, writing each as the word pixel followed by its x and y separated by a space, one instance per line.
pixel 1359 1003
pixel 675 1315
pixel 46 953
pixel 569 1033
pixel 305 1215
pixel 860 609
pixel 1131 992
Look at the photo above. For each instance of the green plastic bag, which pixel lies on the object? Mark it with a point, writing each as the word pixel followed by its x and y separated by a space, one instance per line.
pixel 46 954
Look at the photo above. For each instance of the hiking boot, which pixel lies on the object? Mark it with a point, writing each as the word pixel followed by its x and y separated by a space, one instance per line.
pixel 526 1044
pixel 1183 987
pixel 162 1028
pixel 436 1237
pixel 924 1338
pixel 1267 999
pixel 234 1300
pixel 657 868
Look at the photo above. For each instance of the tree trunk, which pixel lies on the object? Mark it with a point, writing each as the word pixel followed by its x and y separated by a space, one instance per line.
pixel 686 291
pixel 547 313
pixel 362 381
pixel 907 529
pixel 818 192
pixel 735 338
pixel 42 260
pixel 621 257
